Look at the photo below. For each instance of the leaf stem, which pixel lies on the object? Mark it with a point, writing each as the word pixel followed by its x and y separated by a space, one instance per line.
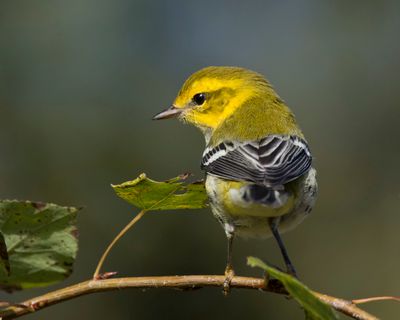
pixel 96 274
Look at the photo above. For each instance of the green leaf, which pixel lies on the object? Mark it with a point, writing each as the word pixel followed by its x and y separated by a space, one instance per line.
pixel 41 241
pixel 148 194
pixel 315 309
pixel 4 260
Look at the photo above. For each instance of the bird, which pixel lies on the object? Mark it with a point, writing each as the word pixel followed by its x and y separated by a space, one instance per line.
pixel 258 168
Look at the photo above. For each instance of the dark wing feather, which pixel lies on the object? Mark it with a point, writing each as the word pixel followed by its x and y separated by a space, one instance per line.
pixel 271 161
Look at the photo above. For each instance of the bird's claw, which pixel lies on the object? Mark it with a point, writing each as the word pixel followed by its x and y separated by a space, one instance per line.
pixel 229 274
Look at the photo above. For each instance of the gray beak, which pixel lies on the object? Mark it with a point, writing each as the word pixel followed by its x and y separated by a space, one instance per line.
pixel 171 112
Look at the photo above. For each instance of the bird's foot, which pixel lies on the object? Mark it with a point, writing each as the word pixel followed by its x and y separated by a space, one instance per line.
pixel 229 274
pixel 266 279
pixel 291 271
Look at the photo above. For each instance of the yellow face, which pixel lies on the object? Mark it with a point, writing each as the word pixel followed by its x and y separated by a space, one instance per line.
pixel 231 103
pixel 210 95
pixel 207 101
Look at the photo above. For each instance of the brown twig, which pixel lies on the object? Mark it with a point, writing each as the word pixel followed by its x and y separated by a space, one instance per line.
pixel 372 299
pixel 96 274
pixel 173 282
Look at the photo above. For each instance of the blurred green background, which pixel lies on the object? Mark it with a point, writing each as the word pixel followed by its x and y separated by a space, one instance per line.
pixel 80 81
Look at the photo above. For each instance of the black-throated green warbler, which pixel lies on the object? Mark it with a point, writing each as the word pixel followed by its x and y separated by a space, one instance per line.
pixel 258 165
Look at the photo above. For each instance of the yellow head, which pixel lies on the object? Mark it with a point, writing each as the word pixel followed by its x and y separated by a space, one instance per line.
pixel 216 97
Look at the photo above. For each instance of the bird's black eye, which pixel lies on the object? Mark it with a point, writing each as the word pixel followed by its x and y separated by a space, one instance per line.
pixel 199 98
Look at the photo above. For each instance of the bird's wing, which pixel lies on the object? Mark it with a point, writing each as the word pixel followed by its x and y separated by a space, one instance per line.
pixel 271 161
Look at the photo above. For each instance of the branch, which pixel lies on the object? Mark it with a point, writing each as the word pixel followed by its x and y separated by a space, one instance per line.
pixel 173 282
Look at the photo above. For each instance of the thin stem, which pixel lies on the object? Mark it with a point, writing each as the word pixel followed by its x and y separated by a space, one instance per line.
pixel 115 240
pixel 174 282
pixel 96 274
pixel 372 299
